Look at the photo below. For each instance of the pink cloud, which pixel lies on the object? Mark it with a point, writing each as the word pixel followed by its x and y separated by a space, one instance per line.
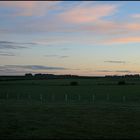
pixel 135 16
pixel 123 40
pixel 133 26
pixel 100 26
pixel 111 28
pixel 23 4
pixel 29 8
pixel 90 16
pixel 87 14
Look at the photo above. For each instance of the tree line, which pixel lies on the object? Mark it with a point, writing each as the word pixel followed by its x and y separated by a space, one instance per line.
pixel 39 76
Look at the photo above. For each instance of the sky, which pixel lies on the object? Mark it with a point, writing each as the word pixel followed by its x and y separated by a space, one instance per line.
pixel 92 38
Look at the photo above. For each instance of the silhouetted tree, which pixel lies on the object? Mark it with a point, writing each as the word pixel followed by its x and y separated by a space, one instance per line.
pixel 28 75
pixel 122 82
pixel 74 83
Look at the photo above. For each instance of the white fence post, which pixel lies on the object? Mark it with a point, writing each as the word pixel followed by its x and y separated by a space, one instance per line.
pixel 66 97
pixel 108 97
pixel 93 98
pixel 79 97
pixel 124 98
pixel 53 97
pixel 41 98
pixel 29 96
pixel 7 96
pixel 17 96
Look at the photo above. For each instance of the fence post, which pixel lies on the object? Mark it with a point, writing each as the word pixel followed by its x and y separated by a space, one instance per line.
pixel 7 96
pixel 17 96
pixel 66 98
pixel 29 96
pixel 93 98
pixel 124 98
pixel 41 98
pixel 53 97
pixel 108 97
pixel 79 97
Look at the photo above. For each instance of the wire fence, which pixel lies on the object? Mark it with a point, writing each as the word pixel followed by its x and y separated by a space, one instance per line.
pixel 67 98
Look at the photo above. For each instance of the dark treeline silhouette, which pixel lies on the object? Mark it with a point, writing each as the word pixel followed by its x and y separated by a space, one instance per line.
pixel 52 76
pixel 39 76
pixel 125 76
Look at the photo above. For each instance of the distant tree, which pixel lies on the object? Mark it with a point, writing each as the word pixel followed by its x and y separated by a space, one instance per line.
pixel 28 75
pixel 122 82
pixel 38 76
pixel 74 83
pixel 132 76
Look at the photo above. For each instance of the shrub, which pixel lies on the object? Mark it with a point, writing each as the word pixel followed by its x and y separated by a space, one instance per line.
pixel 28 75
pixel 121 82
pixel 74 83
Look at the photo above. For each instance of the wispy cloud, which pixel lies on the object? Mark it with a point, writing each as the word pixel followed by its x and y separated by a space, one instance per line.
pixel 76 18
pixel 64 56
pixel 7 54
pixel 119 62
pixel 22 69
pixel 115 71
pixel 137 16
pixel 10 42
pixel 103 71
pixel 28 8
pixel 58 40
pixel 123 40
pixel 51 55
pixel 10 46
pixel 14 45
pixel 83 14
pixel 57 56
pixel 124 71
pixel 35 67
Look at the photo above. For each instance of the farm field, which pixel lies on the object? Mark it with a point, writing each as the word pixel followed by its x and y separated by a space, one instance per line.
pixel 95 108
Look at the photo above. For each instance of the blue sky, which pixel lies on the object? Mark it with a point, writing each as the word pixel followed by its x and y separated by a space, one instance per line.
pixel 71 37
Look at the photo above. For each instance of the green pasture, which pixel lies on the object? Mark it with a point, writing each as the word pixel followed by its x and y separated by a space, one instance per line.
pixel 59 91
pixel 52 109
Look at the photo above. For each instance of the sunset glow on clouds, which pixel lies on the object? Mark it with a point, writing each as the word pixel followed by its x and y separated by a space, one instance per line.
pixel 87 14
pixel 72 37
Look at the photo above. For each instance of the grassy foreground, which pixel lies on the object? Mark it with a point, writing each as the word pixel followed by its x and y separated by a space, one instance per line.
pixel 26 117
pixel 21 121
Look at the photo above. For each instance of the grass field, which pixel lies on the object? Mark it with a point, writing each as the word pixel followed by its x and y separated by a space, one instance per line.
pixel 96 108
